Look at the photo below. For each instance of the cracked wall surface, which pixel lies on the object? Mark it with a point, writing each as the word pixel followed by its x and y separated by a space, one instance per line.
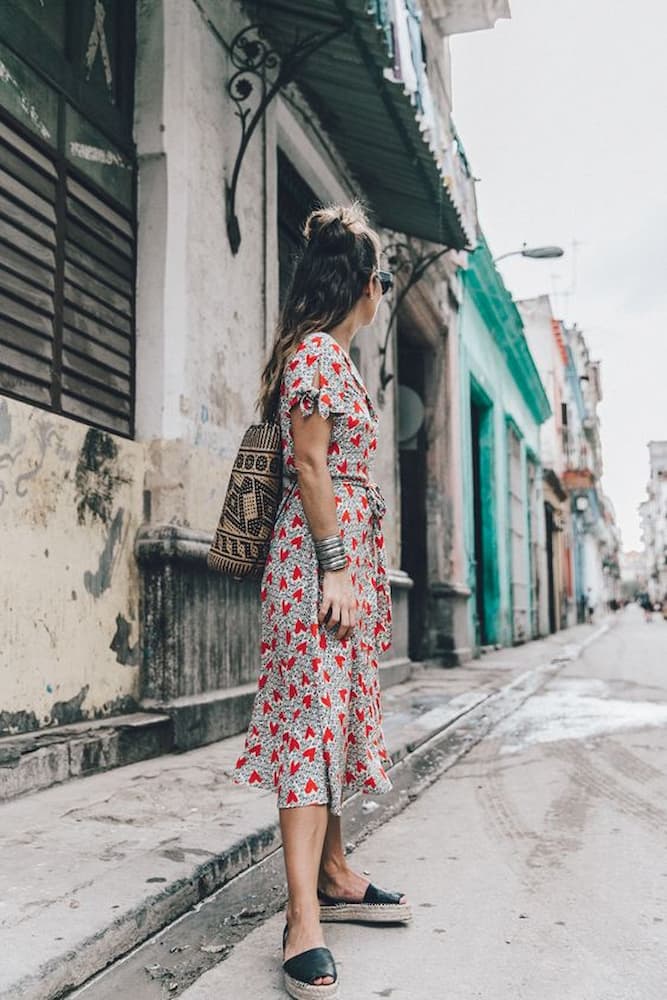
pixel 69 503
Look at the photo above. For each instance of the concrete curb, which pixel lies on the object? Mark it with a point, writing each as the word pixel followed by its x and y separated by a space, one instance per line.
pixel 417 765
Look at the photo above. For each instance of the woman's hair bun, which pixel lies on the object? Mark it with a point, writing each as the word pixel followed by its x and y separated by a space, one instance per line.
pixel 334 228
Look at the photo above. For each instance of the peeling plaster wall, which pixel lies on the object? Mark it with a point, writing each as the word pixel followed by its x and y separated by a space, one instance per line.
pixel 200 311
pixel 69 498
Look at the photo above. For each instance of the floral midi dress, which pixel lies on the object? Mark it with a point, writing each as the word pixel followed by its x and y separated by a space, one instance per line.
pixel 316 726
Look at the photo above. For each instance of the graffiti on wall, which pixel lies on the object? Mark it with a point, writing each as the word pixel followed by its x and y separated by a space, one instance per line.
pixel 96 583
pixel 21 463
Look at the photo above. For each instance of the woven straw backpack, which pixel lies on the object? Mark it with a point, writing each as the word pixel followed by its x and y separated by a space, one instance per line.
pixel 241 541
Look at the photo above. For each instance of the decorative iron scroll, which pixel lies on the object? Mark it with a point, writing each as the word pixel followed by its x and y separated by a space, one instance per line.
pixel 404 259
pixel 260 75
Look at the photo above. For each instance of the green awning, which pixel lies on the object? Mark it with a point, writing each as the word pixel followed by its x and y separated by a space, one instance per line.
pixel 483 282
pixel 371 119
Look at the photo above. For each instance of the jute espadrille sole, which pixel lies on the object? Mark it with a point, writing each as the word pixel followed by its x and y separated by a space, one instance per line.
pixel 370 913
pixel 307 991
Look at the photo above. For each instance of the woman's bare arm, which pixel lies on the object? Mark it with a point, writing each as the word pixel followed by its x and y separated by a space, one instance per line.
pixel 311 437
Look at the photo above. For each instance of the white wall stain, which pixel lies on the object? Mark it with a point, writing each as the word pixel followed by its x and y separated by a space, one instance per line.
pixel 94 154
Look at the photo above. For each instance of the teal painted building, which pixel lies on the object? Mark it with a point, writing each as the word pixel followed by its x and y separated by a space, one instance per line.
pixel 502 405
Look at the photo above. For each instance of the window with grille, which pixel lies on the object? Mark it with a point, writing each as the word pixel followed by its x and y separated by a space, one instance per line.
pixel 67 208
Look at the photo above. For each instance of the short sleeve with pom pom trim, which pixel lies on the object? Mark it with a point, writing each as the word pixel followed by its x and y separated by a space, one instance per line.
pixel 317 377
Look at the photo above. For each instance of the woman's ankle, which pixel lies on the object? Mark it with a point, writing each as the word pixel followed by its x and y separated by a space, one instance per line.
pixel 331 869
pixel 303 914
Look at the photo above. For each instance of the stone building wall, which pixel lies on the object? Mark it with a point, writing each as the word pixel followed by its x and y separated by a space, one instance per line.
pixel 74 500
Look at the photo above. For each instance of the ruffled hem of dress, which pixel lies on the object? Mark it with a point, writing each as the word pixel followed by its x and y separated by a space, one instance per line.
pixel 264 782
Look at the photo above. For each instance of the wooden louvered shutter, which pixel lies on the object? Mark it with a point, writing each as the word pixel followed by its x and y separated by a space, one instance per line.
pixel 66 290
pixel 97 339
pixel 28 186
pixel 67 208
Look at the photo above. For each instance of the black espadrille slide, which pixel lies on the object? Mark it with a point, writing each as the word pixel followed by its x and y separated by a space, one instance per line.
pixel 301 970
pixel 377 907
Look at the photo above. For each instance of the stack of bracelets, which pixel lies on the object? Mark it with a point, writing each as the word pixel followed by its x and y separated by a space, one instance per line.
pixel 330 553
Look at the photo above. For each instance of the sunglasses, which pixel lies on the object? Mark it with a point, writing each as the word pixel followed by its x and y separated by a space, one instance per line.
pixel 386 279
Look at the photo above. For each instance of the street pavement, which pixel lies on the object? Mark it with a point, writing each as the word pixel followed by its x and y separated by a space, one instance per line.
pixel 536 865
pixel 137 880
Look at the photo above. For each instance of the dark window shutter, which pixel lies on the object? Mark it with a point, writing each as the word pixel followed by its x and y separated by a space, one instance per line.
pixel 66 288
pixel 98 322
pixel 28 185
pixel 68 208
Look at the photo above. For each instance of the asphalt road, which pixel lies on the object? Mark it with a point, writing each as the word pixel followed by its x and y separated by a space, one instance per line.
pixel 537 865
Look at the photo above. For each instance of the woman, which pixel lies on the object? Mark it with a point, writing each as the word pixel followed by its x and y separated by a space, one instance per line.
pixel 326 604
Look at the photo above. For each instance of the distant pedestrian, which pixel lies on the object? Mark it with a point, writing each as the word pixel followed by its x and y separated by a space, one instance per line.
pixel 647 604
pixel 316 727
pixel 590 606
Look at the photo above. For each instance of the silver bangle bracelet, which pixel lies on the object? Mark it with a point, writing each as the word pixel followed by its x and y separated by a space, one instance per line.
pixel 325 546
pixel 330 553
pixel 331 565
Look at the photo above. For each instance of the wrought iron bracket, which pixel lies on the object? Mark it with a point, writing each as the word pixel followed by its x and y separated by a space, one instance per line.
pixel 260 74
pixel 404 259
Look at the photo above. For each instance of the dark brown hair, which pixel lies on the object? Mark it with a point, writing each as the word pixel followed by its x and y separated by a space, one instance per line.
pixel 340 254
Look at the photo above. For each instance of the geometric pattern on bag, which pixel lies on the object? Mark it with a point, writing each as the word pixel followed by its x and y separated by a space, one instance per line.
pixel 242 537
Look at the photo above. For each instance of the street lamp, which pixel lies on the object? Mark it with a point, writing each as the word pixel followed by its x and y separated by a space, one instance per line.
pixel 535 253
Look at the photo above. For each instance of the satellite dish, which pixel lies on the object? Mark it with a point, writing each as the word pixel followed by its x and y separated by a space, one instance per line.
pixel 410 416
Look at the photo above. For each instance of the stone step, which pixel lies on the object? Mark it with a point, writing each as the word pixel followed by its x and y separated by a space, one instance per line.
pixel 30 762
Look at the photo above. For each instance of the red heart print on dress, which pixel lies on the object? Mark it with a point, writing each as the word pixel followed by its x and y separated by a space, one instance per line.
pixel 290 603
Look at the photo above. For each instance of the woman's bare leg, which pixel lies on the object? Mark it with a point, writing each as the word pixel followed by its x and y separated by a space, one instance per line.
pixel 336 878
pixel 303 831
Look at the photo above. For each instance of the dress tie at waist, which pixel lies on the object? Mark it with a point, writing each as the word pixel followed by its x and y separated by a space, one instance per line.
pixel 376 500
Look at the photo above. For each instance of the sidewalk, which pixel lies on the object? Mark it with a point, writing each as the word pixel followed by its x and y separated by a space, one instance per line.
pixel 93 867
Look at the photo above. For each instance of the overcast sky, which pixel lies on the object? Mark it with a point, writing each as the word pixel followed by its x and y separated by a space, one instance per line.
pixel 563 114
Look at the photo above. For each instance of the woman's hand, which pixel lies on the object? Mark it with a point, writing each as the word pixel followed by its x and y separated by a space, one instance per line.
pixel 339 601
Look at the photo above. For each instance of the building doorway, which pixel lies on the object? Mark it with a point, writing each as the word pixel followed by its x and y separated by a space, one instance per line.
pixel 412 460
pixel 519 582
pixel 534 508
pixel 484 575
pixel 549 521
pixel 296 200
